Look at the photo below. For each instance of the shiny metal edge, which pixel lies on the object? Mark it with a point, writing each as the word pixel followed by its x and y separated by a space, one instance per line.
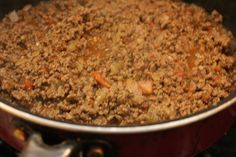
pixel 114 130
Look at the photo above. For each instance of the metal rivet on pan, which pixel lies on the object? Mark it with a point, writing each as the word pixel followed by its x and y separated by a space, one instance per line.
pixel 95 152
pixel 19 134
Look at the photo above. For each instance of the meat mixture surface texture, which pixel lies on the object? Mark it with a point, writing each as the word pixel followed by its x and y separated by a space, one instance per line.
pixel 115 62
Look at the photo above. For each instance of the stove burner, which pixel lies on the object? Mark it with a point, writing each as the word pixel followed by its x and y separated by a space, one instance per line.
pixel 226 147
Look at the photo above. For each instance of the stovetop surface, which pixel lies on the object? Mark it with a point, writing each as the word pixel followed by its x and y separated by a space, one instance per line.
pixel 226 147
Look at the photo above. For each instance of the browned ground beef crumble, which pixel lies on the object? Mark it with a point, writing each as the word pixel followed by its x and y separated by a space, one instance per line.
pixel 115 62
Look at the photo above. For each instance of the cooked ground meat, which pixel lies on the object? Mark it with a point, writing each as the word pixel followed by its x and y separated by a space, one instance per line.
pixel 115 62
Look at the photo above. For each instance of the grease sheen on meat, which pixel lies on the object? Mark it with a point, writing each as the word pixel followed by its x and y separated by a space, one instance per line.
pixel 115 62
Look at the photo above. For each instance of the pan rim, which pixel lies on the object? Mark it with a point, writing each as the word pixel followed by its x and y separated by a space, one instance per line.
pixel 29 117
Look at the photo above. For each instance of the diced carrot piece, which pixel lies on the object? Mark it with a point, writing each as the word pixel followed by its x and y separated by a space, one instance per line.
pixel 28 85
pixel 151 25
pixel 146 87
pixel 98 77
pixel 192 87
pixel 180 73
pixel 217 68
pixel 206 98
